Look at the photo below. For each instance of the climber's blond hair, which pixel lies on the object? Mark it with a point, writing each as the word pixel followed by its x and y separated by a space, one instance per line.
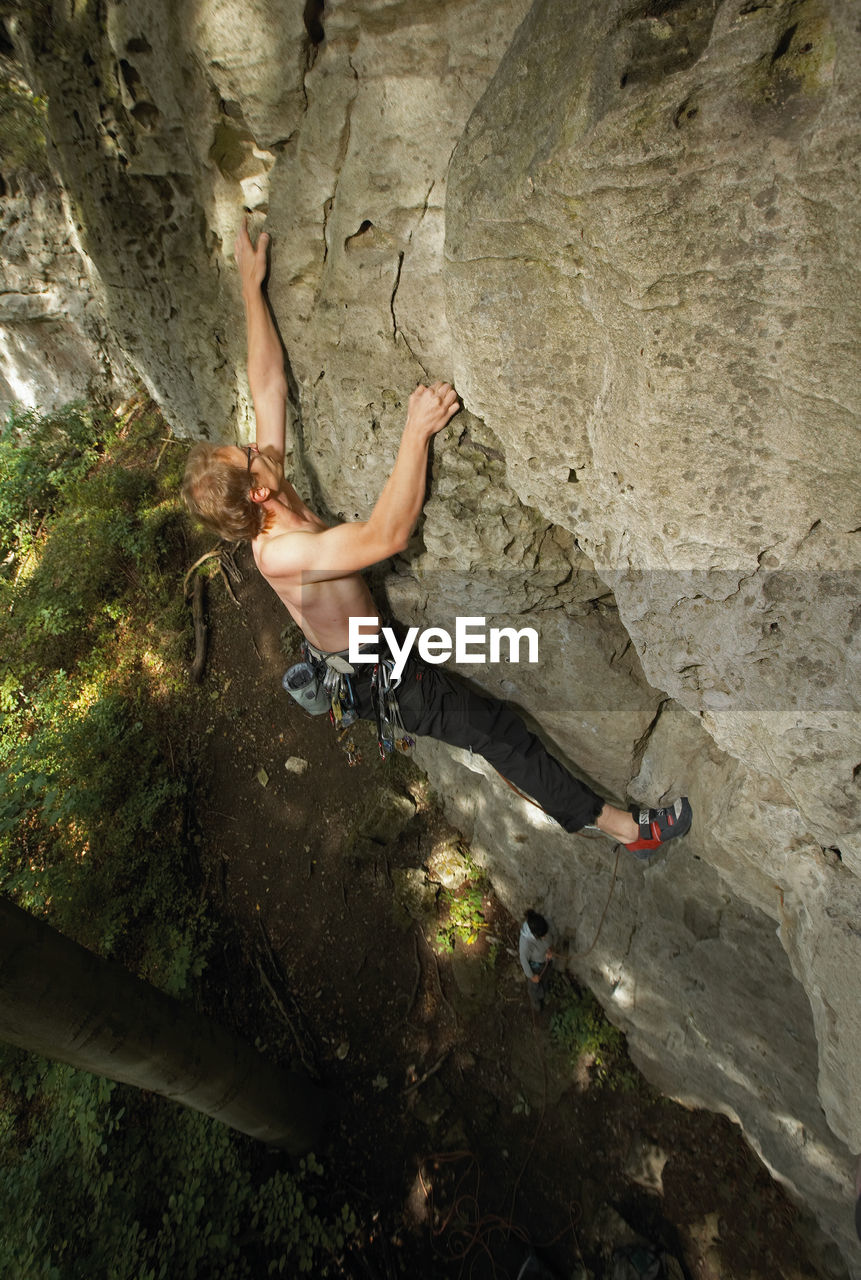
pixel 217 492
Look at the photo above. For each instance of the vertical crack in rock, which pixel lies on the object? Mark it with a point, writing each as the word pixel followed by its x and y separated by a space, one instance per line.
pixel 395 329
pixel 303 463
pixel 425 205
pixel 328 205
pixel 312 16
pixel 397 332
pixel 640 745
pixel 343 148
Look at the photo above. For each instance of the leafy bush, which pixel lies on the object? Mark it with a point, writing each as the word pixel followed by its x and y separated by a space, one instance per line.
pixel 465 917
pixel 97 1179
pixel 580 1028
pixel 465 913
pixel 40 456
pixel 92 799
pixel 76 537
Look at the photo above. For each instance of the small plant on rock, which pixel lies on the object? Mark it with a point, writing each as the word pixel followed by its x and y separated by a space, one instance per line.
pixel 580 1028
pixel 465 917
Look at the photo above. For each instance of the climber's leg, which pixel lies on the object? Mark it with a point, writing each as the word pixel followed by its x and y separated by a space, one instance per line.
pixel 434 703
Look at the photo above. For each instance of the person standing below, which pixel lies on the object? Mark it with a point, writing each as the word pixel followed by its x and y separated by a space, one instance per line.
pixel 315 570
pixel 536 956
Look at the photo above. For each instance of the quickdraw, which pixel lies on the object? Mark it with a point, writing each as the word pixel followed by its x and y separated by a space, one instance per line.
pixel 348 744
pixel 342 699
pixel 342 706
pixel 333 672
pixel 391 734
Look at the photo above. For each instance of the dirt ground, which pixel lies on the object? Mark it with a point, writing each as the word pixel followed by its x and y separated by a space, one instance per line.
pixel 466 1130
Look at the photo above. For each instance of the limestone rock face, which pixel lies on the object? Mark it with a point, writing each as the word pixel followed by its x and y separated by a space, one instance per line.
pixel 649 223
pixel 143 142
pixel 647 227
pixel 54 343
pixel 630 233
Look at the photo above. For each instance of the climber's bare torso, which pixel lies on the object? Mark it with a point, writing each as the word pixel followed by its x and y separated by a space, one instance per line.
pixel 320 600
pixel 321 610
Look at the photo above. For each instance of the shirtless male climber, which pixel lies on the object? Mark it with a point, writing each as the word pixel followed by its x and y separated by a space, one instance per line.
pixel 242 494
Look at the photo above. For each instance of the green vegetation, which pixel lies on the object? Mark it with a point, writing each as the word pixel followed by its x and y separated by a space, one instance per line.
pixel 95 768
pixel 92 636
pixel 98 1179
pixel 580 1029
pixel 22 131
pixel 465 918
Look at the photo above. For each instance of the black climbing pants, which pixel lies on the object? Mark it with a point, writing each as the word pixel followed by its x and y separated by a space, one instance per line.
pixel 436 703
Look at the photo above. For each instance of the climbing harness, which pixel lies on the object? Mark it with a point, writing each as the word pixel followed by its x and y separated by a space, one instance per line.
pixel 324 682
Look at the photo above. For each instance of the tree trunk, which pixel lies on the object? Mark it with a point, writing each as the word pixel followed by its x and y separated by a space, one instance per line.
pixel 60 1000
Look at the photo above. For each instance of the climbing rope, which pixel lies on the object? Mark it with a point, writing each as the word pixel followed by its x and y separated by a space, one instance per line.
pixel 581 954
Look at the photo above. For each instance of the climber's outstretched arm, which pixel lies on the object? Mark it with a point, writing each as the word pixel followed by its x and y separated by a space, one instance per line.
pixel 319 555
pixel 266 376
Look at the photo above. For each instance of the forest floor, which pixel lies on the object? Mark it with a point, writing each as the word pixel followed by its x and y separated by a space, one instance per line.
pixel 466 1129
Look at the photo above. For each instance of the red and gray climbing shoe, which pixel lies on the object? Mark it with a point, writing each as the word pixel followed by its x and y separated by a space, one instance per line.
pixel 657 826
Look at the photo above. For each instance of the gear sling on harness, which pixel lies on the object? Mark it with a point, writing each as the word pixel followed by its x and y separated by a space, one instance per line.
pixel 326 682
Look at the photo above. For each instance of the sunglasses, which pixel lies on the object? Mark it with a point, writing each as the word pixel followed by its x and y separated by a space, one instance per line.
pixel 250 451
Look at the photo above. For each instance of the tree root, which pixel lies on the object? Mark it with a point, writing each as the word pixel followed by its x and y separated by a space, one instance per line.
pixel 415 989
pixel 292 1020
pixel 228 569
pixel 199 619
pixel 416 1084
